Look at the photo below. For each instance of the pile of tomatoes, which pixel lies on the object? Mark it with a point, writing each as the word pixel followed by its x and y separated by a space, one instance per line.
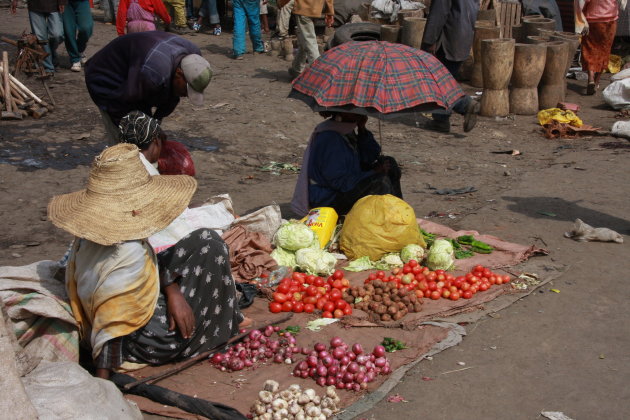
pixel 306 293
pixel 440 284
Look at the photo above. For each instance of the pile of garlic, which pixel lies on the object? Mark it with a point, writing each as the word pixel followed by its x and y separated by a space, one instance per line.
pixel 293 403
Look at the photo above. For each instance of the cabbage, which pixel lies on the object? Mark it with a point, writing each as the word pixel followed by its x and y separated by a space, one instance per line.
pixel 440 255
pixel 412 252
pixel 293 236
pixel 360 264
pixel 392 260
pixel 284 257
pixel 315 261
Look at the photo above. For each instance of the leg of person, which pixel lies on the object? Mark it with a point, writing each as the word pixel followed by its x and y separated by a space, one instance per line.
pixel 203 11
pixel 39 26
pixel 70 25
pixel 109 14
pixel 179 11
pixel 252 11
pixel 215 19
pixel 201 266
pixel 284 18
pixel 112 132
pixel 375 185
pixel 85 27
pixel 55 34
pixel 307 42
pixel 238 34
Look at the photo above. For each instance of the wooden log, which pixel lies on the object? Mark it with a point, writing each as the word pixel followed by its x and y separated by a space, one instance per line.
pixel 413 31
pixel 529 64
pixel 497 58
pixel 20 86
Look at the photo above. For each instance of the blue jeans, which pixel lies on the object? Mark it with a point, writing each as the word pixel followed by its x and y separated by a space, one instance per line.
pixel 461 104
pixel 209 8
pixel 190 9
pixel 246 12
pixel 110 9
pixel 77 25
pixel 48 27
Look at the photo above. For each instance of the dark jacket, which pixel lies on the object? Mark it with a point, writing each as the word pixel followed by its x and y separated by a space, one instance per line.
pixel 134 72
pixel 451 26
pixel 45 6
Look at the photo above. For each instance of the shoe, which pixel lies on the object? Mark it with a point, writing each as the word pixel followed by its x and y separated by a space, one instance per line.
pixel 83 59
pixel 470 117
pixel 590 89
pixel 216 31
pixel 196 27
pixel 76 66
pixel 239 57
pixel 181 30
pixel 293 73
pixel 266 48
pixel 442 126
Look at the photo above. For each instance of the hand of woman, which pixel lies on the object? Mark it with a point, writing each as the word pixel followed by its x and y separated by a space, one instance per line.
pixel 180 313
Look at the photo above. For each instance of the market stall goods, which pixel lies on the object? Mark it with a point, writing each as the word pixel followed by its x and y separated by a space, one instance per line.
pixel 497 60
pixel 294 403
pixel 552 84
pixel 483 30
pixel 529 63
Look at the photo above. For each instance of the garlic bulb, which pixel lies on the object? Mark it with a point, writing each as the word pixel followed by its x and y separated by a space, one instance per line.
pixel 313 411
pixel 271 386
pixel 279 404
pixel 265 396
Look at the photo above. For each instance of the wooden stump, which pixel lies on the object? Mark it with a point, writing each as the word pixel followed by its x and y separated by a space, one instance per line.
pixel 482 31
pixel 390 33
pixel 412 31
pixel 497 58
pixel 551 89
pixel 529 64
pixel 534 24
pixel 536 40
pixel 407 13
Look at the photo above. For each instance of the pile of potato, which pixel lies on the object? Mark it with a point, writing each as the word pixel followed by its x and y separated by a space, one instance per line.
pixel 382 300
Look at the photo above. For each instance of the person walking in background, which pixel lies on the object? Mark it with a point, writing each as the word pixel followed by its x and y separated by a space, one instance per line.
pixel 47 25
pixel 284 18
pixel 139 15
pixel 449 35
pixel 246 13
pixel 179 15
pixel 596 20
pixel 264 21
pixel 209 9
pixel 77 27
pixel 110 10
pixel 305 11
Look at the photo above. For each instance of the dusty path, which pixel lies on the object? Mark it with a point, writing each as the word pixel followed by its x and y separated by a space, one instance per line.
pixel 560 352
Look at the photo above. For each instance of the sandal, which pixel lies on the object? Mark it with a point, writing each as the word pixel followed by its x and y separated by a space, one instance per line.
pixel 591 88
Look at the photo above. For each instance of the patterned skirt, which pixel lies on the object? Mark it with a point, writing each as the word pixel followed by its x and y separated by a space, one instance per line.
pixel 201 266
pixel 597 44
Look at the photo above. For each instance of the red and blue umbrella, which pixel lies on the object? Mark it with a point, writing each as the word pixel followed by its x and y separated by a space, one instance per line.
pixel 376 78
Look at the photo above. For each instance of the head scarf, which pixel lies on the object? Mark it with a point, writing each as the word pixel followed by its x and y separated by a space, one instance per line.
pixel 138 128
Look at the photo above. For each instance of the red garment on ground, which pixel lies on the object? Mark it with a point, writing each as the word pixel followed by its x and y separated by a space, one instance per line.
pixel 175 159
pixel 596 45
pixel 154 6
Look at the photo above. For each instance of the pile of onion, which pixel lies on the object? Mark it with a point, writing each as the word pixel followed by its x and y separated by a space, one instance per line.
pixel 342 366
pixel 258 347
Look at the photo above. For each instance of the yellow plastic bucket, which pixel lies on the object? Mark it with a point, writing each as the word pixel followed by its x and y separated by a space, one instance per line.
pixel 322 221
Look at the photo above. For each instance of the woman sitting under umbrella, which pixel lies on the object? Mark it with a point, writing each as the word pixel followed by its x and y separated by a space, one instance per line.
pixel 343 163
pixel 131 304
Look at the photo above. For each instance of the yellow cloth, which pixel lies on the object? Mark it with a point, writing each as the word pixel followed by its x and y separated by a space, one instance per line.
pixel 112 289
pixel 546 116
pixel 614 64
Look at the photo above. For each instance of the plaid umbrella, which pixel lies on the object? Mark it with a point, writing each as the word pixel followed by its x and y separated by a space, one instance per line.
pixel 376 78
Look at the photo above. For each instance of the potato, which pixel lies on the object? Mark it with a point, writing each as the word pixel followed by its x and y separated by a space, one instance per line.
pixel 378 298
pixel 377 283
pixel 392 309
pixel 410 308
pixel 412 298
pixel 402 292
pixel 386 317
pixel 348 298
pixel 406 300
pixel 378 291
pixel 417 306
pixel 401 305
pixel 397 316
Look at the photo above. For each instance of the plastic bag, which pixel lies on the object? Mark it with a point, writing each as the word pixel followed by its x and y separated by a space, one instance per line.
pixel 614 64
pixel 546 116
pixel 377 225
pixel 617 94
pixel 175 159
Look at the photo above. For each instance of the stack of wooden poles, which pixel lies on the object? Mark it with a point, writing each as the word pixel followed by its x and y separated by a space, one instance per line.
pixel 17 99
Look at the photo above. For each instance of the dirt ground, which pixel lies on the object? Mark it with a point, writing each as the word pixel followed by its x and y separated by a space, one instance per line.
pixel 565 351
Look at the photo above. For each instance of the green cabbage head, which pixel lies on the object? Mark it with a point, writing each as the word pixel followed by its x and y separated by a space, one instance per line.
pixel 315 261
pixel 284 257
pixel 412 252
pixel 441 255
pixel 293 236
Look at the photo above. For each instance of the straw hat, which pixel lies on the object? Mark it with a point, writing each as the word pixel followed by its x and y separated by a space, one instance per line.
pixel 122 201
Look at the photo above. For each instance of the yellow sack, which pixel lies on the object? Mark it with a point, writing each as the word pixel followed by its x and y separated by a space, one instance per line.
pixel 614 64
pixel 377 225
pixel 546 116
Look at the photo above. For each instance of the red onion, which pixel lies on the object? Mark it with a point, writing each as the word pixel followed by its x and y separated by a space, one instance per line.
pixel 321 370
pixel 370 375
pixel 380 362
pixel 242 354
pixel 333 370
pixel 297 370
pixel 276 328
pixel 336 342
pixel 362 359
pixel 292 341
pixel 218 358
pixel 340 385
pixel 348 377
pixel 236 364
pixel 338 353
pixel 268 331
pixel 357 349
pixel 302 365
pixel 254 345
pixel 263 339
pixel 268 354
pixel 379 351
pixel 351 355
pixel 386 370
pixel 372 357
pixel 278 358
pixel 312 361
pixel 353 367
pixel 360 377
pixel 248 363
pixel 331 380
pixel 312 372
pixel 305 350
pixel 327 361
pixel 323 354
pixel 364 385
pixel 242 331
pixel 304 374
pixel 344 360
pixel 321 381
pixel 319 347
pixel 356 387
pixel 254 334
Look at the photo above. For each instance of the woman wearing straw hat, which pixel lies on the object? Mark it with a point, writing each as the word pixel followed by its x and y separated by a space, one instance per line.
pixel 131 304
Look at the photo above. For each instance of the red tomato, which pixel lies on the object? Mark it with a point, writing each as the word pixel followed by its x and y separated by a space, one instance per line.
pixel 280 297
pixel 449 277
pixel 396 270
pixel 345 282
pixel 372 277
pixel 423 285
pixel 406 269
pixel 297 296
pixel 440 284
pixel 467 294
pixel 419 277
pixel 435 295
pixel 320 303
pixel 506 278
pixel 493 279
pixel 459 281
pixel 484 286
pixel 319 282
pixel 469 276
pixel 311 291
pixel 341 304
pixel 275 307
pixel 392 278
pixel 454 296
pixel 310 299
pixel 293 289
pixel 478 268
pixel 298 276
pixel 487 272
pixel 432 286
pixel 347 310
pixel 465 286
pixel 327 314
pixel 474 288
pixel 283 288
pixel 327 287
pixel 287 306
pixel 419 294
pixel 309 308
pixel 473 280
pixel 431 276
pixel 380 274
pixel 337 284
pixel 446 293
pixel 338 313
pixel 335 294
pixel 329 306
pixel 309 279
pixel 338 275
pixel 499 280
pixel 440 272
pixel 427 293
pixel 298 307
pixel 413 264
pixel 453 289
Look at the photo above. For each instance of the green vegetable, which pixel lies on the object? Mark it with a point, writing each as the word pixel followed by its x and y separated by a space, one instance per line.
pixel 455 244
pixel 284 257
pixel 360 264
pixel 460 254
pixel 428 237
pixel 412 252
pixel 293 329
pixel 391 345
pixel 481 250
pixel 440 255
pixel 465 239
pixel 392 260
pixel 293 236
pixel 315 261
pixel 481 245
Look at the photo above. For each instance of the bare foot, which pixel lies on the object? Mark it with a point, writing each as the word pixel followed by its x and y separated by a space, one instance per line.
pixel 246 323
